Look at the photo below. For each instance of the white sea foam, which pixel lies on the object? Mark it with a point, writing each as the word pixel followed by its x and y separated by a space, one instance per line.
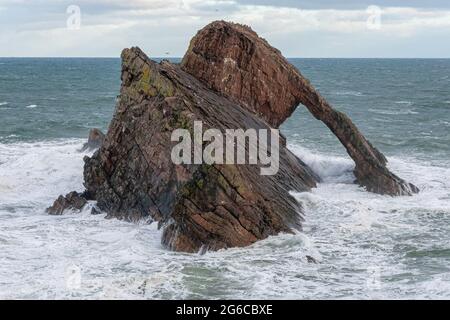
pixel 361 232
pixel 393 112
pixel 367 245
pixel 3 103
pixel 349 93
pixel 406 102
pixel 31 106
pixel 39 171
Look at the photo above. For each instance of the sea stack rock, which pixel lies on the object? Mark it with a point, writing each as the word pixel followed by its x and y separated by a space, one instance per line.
pixel 95 140
pixel 229 79
pixel 199 206
pixel 233 60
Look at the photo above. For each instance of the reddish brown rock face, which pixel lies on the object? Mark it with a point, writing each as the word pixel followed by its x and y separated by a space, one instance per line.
pixel 232 59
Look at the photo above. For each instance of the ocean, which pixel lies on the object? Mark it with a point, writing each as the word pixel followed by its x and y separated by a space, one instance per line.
pixel 367 246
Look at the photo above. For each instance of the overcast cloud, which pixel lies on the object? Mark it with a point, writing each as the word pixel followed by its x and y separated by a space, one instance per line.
pixel 163 28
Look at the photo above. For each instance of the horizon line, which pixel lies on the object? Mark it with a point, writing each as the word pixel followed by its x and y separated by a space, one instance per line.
pixel 166 57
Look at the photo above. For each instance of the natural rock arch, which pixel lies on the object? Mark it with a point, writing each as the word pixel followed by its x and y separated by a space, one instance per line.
pixel 233 60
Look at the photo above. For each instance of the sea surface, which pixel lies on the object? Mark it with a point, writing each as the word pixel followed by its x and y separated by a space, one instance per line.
pixel 367 246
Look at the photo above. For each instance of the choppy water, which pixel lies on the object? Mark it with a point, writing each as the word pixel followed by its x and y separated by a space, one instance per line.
pixel 367 245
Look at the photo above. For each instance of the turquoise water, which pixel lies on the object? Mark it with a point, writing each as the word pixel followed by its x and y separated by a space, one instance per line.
pixel 367 246
pixel 401 105
pixel 56 98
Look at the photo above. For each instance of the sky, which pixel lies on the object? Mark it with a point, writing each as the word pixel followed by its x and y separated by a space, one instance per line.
pixel 308 29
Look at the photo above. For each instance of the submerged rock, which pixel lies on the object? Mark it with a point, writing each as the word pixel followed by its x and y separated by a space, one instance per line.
pixel 311 259
pixel 200 206
pixel 233 60
pixel 72 201
pixel 95 140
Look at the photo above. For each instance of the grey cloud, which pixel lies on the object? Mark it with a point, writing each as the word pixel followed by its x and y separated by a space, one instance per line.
pixel 350 4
